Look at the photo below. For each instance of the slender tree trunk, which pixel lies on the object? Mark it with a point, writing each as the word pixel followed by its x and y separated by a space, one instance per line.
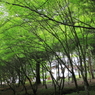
pixel 79 74
pixel 86 84
pixel 53 81
pixel 38 81
pixel 23 84
pixel 90 67
pixel 75 81
pixel 12 88
pixel 44 77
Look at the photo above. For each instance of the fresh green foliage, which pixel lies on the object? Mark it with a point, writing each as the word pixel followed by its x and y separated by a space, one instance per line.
pixel 32 31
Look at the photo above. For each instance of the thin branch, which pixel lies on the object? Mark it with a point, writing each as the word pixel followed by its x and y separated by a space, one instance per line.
pixel 49 18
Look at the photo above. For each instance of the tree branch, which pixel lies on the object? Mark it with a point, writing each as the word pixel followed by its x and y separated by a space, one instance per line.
pixel 49 18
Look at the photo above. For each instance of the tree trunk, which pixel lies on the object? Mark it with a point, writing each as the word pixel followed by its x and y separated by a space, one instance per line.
pixel 38 81
pixel 79 74
pixel 90 67
pixel 86 84
pixel 75 81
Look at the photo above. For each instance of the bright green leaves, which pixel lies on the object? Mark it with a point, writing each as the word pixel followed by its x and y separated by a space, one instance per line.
pixel 10 1
pixel 3 12
pixel 74 1
pixel 28 31
pixel 38 3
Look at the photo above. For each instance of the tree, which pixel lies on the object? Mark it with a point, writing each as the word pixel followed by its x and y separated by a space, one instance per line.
pixel 48 26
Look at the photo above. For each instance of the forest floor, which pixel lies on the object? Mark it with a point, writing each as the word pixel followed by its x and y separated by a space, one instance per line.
pixel 68 88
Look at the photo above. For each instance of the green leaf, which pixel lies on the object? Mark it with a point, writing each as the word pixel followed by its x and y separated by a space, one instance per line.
pixel 74 1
